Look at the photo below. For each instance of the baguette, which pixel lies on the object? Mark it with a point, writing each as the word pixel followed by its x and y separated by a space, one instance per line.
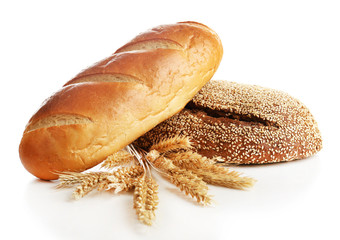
pixel 115 101
pixel 243 124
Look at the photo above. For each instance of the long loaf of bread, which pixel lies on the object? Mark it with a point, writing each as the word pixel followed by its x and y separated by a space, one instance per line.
pixel 243 124
pixel 112 103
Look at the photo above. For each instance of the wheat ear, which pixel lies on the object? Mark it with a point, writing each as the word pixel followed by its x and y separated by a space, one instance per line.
pixel 117 159
pixel 151 201
pixel 220 177
pixel 186 181
pixel 171 144
pixel 189 159
pixel 210 173
pixel 122 180
pixel 88 183
pixel 145 199
pixel 69 179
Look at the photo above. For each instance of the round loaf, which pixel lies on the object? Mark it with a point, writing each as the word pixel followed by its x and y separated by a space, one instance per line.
pixel 243 124
pixel 115 101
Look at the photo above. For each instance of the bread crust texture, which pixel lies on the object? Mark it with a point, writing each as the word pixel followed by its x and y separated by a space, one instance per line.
pixel 110 104
pixel 243 124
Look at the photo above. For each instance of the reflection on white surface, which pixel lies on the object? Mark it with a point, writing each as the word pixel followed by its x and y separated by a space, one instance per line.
pixel 105 216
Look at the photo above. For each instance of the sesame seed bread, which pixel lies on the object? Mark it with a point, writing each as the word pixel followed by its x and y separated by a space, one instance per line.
pixel 243 124
pixel 115 101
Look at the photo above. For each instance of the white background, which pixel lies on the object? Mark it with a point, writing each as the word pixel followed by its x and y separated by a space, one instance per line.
pixel 289 45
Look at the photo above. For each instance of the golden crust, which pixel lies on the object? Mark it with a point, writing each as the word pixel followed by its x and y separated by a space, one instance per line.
pixel 121 98
pixel 243 124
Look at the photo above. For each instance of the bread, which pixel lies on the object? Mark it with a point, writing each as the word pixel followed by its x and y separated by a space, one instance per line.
pixel 115 101
pixel 243 124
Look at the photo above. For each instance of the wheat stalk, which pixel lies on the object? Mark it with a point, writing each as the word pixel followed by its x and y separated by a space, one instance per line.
pixel 189 159
pixel 172 144
pixel 185 180
pixel 88 183
pixel 221 178
pixel 123 179
pixel 151 200
pixel 186 169
pixel 145 199
pixel 69 179
pixel 117 159
pixel 210 173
